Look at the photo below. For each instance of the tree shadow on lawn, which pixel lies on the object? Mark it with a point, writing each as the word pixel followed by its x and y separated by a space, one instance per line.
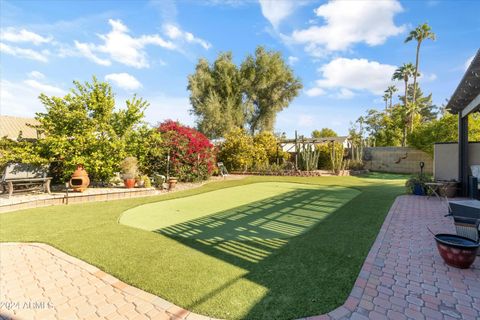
pixel 263 238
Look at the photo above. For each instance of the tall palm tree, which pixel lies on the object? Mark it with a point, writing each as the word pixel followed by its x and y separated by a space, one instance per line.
pixel 420 33
pixel 404 73
pixel 391 90
pixel 386 97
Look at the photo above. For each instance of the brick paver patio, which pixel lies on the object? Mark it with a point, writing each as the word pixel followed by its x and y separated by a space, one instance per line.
pixel 403 277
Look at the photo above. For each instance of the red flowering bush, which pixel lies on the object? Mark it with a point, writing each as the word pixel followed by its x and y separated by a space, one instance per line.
pixel 192 155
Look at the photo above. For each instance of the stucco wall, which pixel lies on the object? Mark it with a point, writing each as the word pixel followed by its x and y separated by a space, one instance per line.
pixel 446 159
pixel 397 160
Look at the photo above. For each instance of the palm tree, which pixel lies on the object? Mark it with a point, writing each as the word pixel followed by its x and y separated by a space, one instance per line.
pixel 404 73
pixel 391 90
pixel 420 33
pixel 386 97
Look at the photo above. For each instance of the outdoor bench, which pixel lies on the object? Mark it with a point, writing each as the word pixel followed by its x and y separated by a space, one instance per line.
pixel 25 177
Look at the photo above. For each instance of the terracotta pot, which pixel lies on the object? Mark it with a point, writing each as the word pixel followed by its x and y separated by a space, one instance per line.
pixel 80 180
pixel 172 182
pixel 129 183
pixel 456 251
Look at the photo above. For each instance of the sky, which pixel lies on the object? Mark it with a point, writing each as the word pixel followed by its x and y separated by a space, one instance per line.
pixel 344 52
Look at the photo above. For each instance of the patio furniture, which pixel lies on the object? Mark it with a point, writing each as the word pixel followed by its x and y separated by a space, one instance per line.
pixel 25 177
pixel 441 189
pixel 475 181
pixel 222 169
pixel 466 215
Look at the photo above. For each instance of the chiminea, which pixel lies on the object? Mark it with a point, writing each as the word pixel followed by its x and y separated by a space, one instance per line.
pixel 80 180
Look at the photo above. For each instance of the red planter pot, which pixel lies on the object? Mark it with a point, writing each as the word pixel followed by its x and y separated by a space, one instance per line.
pixel 456 251
pixel 129 183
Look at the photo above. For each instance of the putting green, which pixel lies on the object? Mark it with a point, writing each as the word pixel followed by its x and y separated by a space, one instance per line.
pixel 267 210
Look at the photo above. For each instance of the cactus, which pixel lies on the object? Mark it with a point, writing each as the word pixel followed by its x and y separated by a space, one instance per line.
pixel 308 157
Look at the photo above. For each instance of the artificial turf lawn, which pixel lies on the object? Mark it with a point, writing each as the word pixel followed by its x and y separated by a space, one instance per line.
pixel 264 210
pixel 257 278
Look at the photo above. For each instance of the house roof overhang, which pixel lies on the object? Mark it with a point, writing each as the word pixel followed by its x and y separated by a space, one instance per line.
pixel 466 98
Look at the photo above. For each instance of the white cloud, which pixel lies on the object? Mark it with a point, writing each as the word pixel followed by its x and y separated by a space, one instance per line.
pixel 36 75
pixel 348 23
pixel 23 35
pixel 354 74
pixel 345 94
pixel 468 62
pixel 277 10
pixel 292 60
pixel 120 46
pixel 41 56
pixel 21 98
pixel 124 80
pixel 86 49
pixel 175 33
pixel 44 88
pixel 315 92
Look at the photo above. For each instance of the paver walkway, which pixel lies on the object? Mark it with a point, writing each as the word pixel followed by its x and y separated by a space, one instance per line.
pixel 38 281
pixel 403 277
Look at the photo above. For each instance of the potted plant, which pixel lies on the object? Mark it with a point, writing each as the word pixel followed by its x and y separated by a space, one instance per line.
pixel 129 171
pixel 143 181
pixel 172 182
pixel 449 188
pixel 416 184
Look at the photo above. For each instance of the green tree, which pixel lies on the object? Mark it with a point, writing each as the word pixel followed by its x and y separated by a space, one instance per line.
pixel 389 92
pixel 420 33
pixel 385 98
pixel 444 129
pixel 422 110
pixel 269 86
pixel 404 73
pixel 216 96
pixel 324 133
pixel 84 128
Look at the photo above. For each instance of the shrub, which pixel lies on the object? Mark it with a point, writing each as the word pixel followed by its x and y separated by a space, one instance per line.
pixel 238 151
pixel 241 151
pixel 129 167
pixel 192 156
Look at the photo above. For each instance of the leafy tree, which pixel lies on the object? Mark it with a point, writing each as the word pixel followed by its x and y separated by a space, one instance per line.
pixel 420 33
pixel 146 145
pixel 83 127
pixel 444 129
pixel 269 86
pixel 216 96
pixel 422 110
pixel 324 133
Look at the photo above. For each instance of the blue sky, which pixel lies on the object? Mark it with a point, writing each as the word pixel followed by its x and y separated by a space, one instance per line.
pixel 343 51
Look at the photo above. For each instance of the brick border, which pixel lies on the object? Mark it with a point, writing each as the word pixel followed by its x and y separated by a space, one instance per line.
pixel 175 312
pixel 59 199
